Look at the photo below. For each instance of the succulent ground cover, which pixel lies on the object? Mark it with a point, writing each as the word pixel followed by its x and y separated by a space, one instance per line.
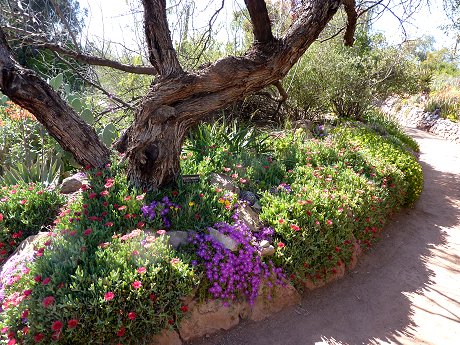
pixel 106 272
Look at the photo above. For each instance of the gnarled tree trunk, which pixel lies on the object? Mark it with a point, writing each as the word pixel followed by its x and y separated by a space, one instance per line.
pixel 178 99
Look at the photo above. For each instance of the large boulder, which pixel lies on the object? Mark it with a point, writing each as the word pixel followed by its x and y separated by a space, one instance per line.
pixel 224 182
pixel 73 183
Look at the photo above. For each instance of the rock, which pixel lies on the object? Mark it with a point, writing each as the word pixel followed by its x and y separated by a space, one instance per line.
pixel 268 251
pixel 256 207
pixel 167 337
pixel 281 297
pixel 72 184
pixel 178 238
pixel 226 241
pixel 224 182
pixel 248 196
pixel 208 318
pixel 264 244
pixel 250 218
pixel 23 253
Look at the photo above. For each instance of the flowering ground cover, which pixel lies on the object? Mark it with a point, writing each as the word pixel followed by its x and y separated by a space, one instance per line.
pixel 106 272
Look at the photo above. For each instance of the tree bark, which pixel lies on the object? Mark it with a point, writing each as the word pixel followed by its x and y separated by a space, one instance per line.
pixel 174 104
pixel 28 90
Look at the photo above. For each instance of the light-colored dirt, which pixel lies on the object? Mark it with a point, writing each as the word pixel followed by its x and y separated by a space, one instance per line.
pixel 405 291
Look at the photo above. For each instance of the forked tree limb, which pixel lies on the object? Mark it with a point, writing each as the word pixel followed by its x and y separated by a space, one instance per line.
pixel 352 19
pixel 261 25
pixel 162 54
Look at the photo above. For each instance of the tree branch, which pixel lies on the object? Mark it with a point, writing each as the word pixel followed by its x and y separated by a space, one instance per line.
pixel 88 59
pixel 352 19
pixel 25 88
pixel 260 21
pixel 162 55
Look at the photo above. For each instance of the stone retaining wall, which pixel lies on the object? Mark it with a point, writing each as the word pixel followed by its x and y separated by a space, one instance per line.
pixel 413 115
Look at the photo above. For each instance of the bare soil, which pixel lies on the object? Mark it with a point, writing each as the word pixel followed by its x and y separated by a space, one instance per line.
pixel 406 290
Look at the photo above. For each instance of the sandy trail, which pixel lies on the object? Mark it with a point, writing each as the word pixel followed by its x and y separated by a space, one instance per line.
pixel 405 291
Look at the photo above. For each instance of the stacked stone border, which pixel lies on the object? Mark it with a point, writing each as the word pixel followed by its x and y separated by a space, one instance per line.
pixel 414 115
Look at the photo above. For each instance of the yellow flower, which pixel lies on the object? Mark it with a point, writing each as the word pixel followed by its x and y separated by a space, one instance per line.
pixel 191 203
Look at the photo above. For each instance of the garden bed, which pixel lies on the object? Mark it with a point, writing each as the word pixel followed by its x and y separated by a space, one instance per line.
pixel 110 269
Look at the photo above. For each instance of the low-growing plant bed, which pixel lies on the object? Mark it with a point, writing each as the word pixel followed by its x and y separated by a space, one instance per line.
pixel 119 261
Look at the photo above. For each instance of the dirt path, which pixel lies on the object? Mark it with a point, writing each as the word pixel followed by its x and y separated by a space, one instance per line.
pixel 405 291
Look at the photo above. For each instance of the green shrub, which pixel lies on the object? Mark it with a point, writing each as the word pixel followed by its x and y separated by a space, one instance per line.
pixel 24 211
pixel 389 127
pixel 383 149
pixel 99 278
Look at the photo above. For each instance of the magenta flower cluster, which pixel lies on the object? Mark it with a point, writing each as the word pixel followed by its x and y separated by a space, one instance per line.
pixel 235 274
pixel 161 209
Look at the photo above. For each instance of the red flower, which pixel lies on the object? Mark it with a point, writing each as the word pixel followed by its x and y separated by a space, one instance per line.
pixel 25 313
pixel 46 281
pixel 92 195
pixel 38 279
pixel 132 315
pixel 141 270
pixel 87 232
pixel 57 325
pixel 280 245
pixel 281 220
pixel 109 296
pixel 104 193
pixel 108 224
pixel 171 321
pixel 140 224
pixel 23 201
pixel 184 308
pixel 38 337
pixel 137 284
pixel 47 301
pixel 72 323
pixel 27 292
pixel 329 222
pixel 1 217
pixel 295 227
pixel 121 331
pixel 12 341
pixel 152 297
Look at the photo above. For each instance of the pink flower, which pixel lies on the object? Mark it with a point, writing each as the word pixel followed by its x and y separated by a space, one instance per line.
pixel 109 296
pixel 23 201
pixel 72 323
pixel 87 232
pixel 127 198
pixel 57 325
pixel 141 270
pixel 161 232
pixel 132 315
pixel 135 252
pixel 38 278
pixel 1 217
pixel 46 281
pixel 281 220
pixel 329 222
pixel 137 284
pixel 92 195
pixel 104 193
pixel 38 337
pixel 47 301
pixel 175 261
pixel 140 197
pixel 27 292
pixel 109 224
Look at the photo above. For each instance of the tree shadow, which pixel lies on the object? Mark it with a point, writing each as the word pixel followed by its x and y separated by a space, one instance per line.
pixel 374 302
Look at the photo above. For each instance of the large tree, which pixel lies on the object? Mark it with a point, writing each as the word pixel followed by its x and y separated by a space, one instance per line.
pixel 177 99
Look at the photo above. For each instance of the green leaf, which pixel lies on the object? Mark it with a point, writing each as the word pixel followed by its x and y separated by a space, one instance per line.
pixel 109 134
pixel 57 81
pixel 77 104
pixel 87 115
